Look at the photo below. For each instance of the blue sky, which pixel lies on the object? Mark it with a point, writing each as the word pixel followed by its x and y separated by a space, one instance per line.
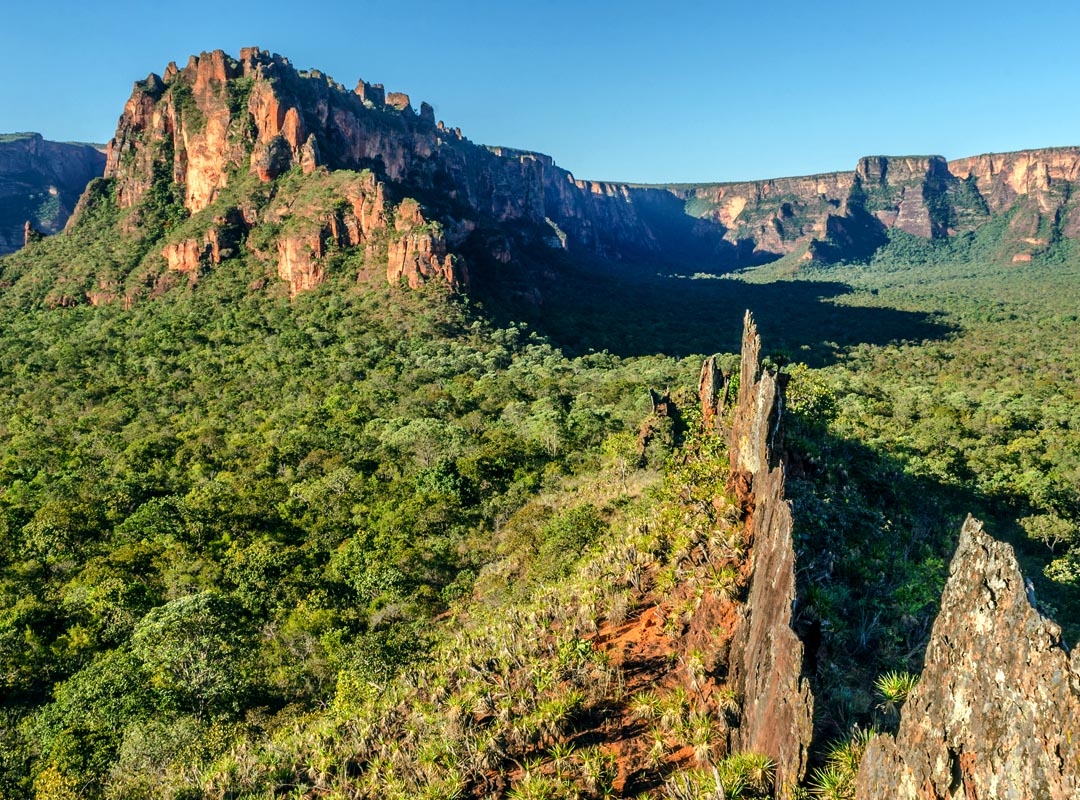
pixel 632 90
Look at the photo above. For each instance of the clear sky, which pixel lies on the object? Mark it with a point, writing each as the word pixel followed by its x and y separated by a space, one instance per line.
pixel 631 90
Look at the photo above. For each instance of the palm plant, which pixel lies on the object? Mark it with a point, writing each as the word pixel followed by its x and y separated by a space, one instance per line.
pixel 895 688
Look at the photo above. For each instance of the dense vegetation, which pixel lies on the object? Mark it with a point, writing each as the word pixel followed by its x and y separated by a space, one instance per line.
pixel 373 542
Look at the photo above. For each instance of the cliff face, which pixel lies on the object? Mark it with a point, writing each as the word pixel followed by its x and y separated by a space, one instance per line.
pixel 846 214
pixel 199 132
pixel 40 183
pixel 997 710
pixel 771 217
pixel 209 124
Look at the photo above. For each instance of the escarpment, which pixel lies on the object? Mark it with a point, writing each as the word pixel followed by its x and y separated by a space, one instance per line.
pixel 211 132
pixel 846 215
pixel 222 140
pixel 997 709
pixel 40 185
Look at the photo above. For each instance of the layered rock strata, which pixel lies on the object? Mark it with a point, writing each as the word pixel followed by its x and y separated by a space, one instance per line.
pixel 846 214
pixel 207 125
pixel 201 130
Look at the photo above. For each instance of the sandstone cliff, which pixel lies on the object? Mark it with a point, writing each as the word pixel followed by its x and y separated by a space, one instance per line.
pixel 206 136
pixel 203 128
pixel 40 184
pixel 846 214
pixel 997 710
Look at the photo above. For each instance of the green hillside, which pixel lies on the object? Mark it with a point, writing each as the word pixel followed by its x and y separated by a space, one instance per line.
pixel 373 542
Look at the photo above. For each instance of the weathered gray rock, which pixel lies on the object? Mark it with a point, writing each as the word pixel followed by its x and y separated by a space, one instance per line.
pixel 997 711
pixel 766 660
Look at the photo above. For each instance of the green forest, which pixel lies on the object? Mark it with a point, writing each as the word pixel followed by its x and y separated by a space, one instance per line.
pixel 368 541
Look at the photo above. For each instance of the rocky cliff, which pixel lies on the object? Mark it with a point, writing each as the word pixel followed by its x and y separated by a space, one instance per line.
pixel 40 184
pixel 223 141
pixel 846 214
pixel 997 710
pixel 203 129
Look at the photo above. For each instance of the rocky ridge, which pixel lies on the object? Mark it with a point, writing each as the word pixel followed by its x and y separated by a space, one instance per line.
pixel 207 126
pixel 765 655
pixel 208 135
pixel 200 133
pixel 40 184
pixel 996 712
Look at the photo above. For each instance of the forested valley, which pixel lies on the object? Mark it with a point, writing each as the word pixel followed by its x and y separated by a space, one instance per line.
pixel 367 541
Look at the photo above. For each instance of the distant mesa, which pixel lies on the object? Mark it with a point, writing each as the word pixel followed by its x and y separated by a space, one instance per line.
pixel 40 184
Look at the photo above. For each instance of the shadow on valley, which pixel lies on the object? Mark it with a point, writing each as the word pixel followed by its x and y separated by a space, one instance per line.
pixel 629 313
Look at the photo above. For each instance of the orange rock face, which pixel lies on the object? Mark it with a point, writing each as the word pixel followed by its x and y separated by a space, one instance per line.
pixel 299 262
pixel 398 100
pixel 186 256
pixel 1003 177
pixel 417 258
pixel 219 118
pixel 420 254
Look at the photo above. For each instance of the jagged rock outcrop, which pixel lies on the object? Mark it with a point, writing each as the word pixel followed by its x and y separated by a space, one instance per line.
pixel 766 655
pixel 220 116
pixel 222 240
pixel 40 184
pixel 205 126
pixel 185 256
pixel 713 389
pixel 419 251
pixel 996 713
pixel 30 234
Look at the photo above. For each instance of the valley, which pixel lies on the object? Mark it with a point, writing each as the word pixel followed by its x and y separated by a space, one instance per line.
pixel 344 457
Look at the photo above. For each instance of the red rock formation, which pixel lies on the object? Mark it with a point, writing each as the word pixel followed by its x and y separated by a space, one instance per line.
pixel 186 256
pixel 996 712
pixel 373 95
pixel 368 202
pixel 1002 178
pixel 299 261
pixel 778 216
pixel 399 100
pixel 923 196
pixel 30 234
pixel 427 114
pixel 420 253
pixel 713 390
pixel 218 117
pixel 193 119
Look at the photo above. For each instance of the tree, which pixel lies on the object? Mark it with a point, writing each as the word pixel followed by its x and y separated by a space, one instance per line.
pixel 194 649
